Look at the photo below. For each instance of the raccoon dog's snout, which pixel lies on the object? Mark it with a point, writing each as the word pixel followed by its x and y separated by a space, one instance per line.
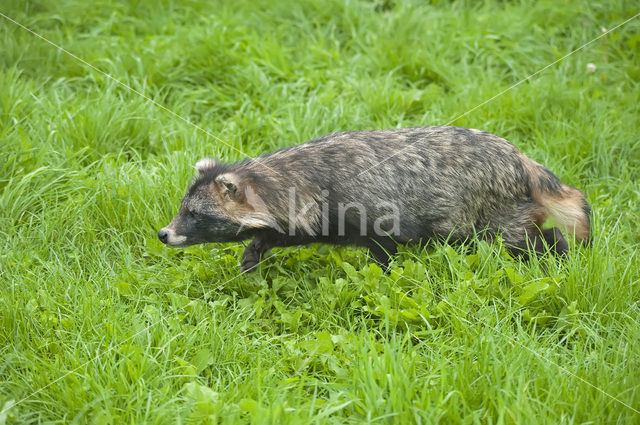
pixel 163 235
pixel 168 236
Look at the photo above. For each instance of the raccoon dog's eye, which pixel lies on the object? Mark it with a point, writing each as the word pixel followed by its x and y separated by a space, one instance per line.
pixel 194 215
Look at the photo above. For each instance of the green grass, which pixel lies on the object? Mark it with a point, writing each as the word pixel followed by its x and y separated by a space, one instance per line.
pixel 89 171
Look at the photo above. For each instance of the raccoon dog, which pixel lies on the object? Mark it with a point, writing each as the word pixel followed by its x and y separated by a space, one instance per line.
pixel 377 189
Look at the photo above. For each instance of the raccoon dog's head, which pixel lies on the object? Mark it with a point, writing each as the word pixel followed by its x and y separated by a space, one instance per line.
pixel 220 206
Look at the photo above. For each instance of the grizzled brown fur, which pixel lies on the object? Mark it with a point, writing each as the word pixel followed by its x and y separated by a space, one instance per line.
pixel 444 183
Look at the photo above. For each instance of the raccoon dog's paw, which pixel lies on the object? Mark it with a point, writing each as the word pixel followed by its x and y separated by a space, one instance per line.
pixel 250 259
pixel 249 265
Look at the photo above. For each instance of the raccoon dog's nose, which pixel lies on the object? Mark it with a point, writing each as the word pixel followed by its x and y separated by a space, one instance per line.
pixel 163 235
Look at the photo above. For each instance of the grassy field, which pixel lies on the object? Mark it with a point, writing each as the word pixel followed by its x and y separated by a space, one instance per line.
pixel 100 323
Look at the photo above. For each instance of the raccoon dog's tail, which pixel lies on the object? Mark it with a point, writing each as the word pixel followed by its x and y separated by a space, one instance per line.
pixel 565 204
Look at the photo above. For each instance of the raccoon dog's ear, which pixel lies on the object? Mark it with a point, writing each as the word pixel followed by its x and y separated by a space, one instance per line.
pixel 205 164
pixel 229 183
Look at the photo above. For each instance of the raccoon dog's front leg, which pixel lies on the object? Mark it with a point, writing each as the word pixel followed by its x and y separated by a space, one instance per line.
pixel 253 253
pixel 382 250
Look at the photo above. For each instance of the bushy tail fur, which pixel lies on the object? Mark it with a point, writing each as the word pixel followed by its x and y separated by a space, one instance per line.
pixel 565 204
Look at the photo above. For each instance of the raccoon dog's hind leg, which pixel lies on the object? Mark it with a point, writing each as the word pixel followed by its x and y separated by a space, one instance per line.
pixel 554 239
pixel 521 229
